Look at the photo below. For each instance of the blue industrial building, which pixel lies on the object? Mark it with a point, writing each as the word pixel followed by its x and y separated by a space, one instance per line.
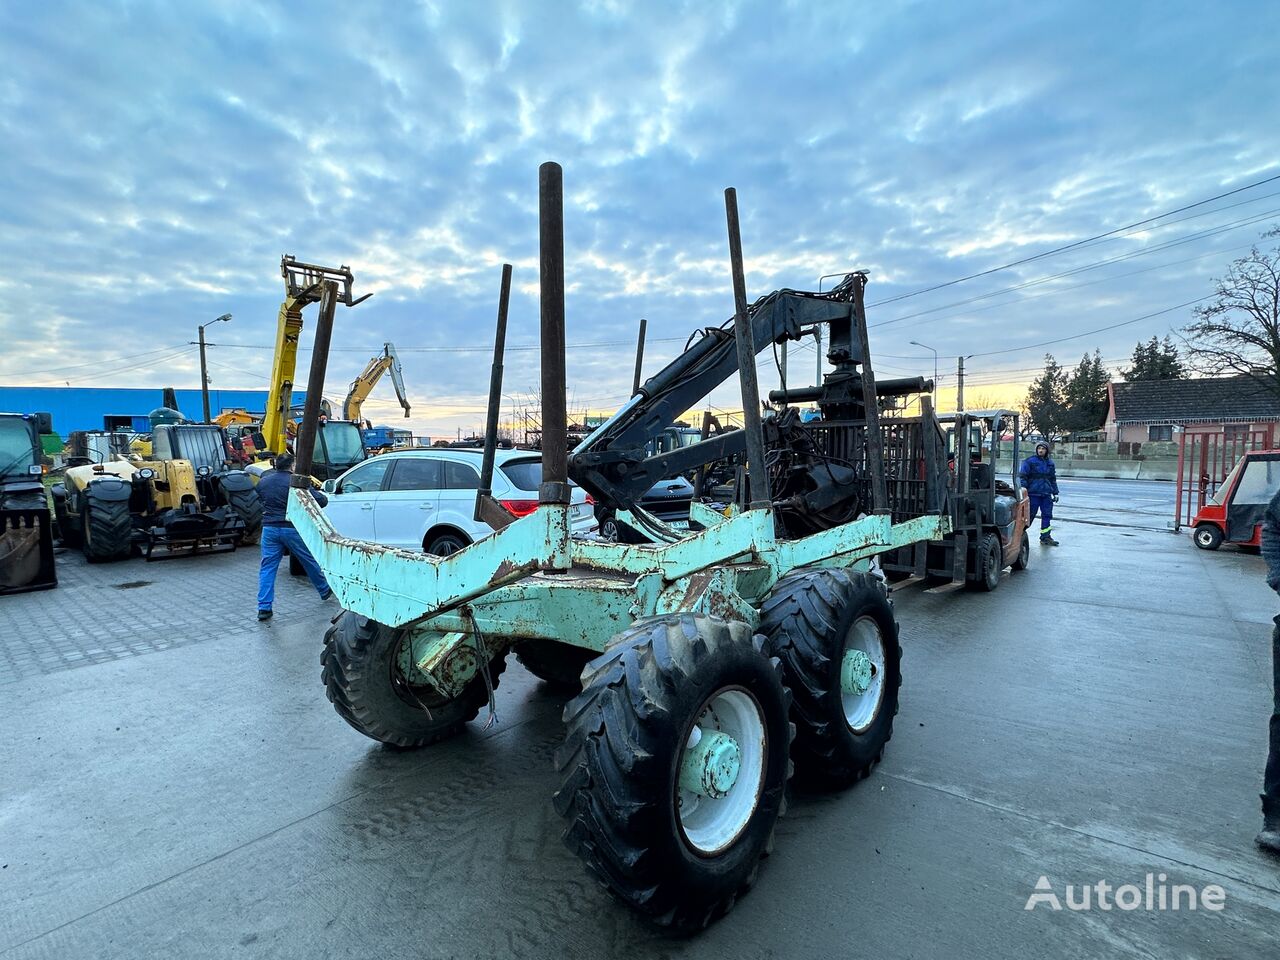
pixel 122 408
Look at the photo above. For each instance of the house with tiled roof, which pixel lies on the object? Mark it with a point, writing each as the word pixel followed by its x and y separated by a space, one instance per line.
pixel 1151 410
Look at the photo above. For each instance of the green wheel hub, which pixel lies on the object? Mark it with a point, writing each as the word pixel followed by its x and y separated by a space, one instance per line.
pixel 855 673
pixel 711 764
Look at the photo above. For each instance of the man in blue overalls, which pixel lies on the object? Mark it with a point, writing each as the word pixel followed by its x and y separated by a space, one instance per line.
pixel 1040 480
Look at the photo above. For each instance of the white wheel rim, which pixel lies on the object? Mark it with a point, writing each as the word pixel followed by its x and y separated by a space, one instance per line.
pixel 1203 535
pixel 861 709
pixel 711 825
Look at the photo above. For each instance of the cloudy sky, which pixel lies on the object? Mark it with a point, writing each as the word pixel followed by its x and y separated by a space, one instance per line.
pixel 160 158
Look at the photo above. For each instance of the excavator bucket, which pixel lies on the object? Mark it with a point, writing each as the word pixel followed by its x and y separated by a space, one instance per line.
pixel 26 551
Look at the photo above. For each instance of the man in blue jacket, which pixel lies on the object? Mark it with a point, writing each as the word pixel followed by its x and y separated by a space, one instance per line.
pixel 1269 838
pixel 278 533
pixel 1040 480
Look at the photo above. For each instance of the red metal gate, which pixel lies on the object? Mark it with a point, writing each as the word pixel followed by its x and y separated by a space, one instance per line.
pixel 1205 457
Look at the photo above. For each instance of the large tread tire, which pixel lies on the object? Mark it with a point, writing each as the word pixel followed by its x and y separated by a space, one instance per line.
pixel 107 526
pixel 246 505
pixel 358 667
pixel 990 564
pixel 625 739
pixel 559 665
pixel 806 620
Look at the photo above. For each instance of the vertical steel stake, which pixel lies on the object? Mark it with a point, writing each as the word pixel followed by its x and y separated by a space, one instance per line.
pixel 305 444
pixel 555 418
pixel 635 381
pixel 485 493
pixel 743 335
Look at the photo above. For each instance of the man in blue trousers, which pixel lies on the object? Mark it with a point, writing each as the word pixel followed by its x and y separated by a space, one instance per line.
pixel 1040 479
pixel 278 533
pixel 1269 838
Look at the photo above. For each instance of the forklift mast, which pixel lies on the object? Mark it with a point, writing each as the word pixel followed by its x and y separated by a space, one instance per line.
pixel 303 283
pixel 363 385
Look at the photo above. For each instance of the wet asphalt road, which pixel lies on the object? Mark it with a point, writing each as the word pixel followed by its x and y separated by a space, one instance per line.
pixel 173 782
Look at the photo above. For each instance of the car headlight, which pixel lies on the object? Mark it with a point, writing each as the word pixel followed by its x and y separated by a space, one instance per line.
pixel 203 471
pixel 146 473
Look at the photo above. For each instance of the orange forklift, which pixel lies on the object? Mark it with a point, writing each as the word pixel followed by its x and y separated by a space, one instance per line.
pixel 1234 512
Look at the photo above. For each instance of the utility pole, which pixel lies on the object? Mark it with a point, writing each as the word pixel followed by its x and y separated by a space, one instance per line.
pixel 960 384
pixel 204 367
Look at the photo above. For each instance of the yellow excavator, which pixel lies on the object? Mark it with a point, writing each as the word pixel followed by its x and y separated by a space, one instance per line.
pixel 376 439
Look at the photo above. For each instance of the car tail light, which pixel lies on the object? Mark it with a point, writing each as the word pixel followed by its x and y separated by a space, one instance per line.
pixel 591 500
pixel 519 508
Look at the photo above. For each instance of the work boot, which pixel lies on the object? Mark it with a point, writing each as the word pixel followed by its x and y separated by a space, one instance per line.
pixel 264 615
pixel 1269 838
pixel 1048 541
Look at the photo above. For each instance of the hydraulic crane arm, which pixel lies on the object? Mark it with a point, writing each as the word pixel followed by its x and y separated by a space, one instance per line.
pixel 363 385
pixel 614 464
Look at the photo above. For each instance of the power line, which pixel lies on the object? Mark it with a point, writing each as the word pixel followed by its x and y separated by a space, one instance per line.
pixel 1074 244
pixel 1146 251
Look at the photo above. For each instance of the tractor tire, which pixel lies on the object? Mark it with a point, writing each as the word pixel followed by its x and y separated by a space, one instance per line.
pixel 813 621
pixel 1207 536
pixel 674 833
pixel 368 689
pixel 246 505
pixel 558 665
pixel 990 564
pixel 107 528
pixel 1024 553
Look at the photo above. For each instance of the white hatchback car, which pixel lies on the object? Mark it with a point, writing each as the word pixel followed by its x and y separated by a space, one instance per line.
pixel 425 499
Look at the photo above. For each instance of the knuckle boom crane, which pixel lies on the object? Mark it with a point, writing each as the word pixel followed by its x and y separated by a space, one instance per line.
pixel 821 474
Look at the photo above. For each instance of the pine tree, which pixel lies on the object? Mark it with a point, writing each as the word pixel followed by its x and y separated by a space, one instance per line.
pixel 1046 399
pixel 1155 360
pixel 1085 395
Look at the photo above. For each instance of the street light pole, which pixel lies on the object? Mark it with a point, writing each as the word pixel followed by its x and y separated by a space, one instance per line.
pixel 204 367
pixel 917 343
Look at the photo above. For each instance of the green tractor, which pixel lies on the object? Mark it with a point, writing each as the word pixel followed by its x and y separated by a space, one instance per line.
pixel 710 662
pixel 26 526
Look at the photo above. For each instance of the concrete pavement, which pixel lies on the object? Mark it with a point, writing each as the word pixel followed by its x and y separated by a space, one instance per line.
pixel 1099 717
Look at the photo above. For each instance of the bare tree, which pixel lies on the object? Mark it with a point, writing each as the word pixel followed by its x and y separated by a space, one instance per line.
pixel 1238 329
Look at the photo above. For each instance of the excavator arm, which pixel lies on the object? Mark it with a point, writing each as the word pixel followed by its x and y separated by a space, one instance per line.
pixel 615 463
pixel 363 385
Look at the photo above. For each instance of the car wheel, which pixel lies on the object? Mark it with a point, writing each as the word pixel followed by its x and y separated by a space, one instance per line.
pixel 1208 537
pixel 610 529
pixel 444 544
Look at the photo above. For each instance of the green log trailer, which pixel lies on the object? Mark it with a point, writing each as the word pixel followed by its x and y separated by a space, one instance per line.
pixel 697 660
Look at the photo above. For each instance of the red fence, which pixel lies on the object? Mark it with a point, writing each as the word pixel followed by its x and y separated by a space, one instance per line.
pixel 1205 457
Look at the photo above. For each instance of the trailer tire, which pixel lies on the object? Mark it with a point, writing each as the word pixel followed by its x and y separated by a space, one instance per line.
pixel 366 687
pixel 1024 553
pixel 559 665
pixel 107 530
pixel 678 857
pixel 813 619
pixel 1207 536
pixel 990 563
pixel 246 505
